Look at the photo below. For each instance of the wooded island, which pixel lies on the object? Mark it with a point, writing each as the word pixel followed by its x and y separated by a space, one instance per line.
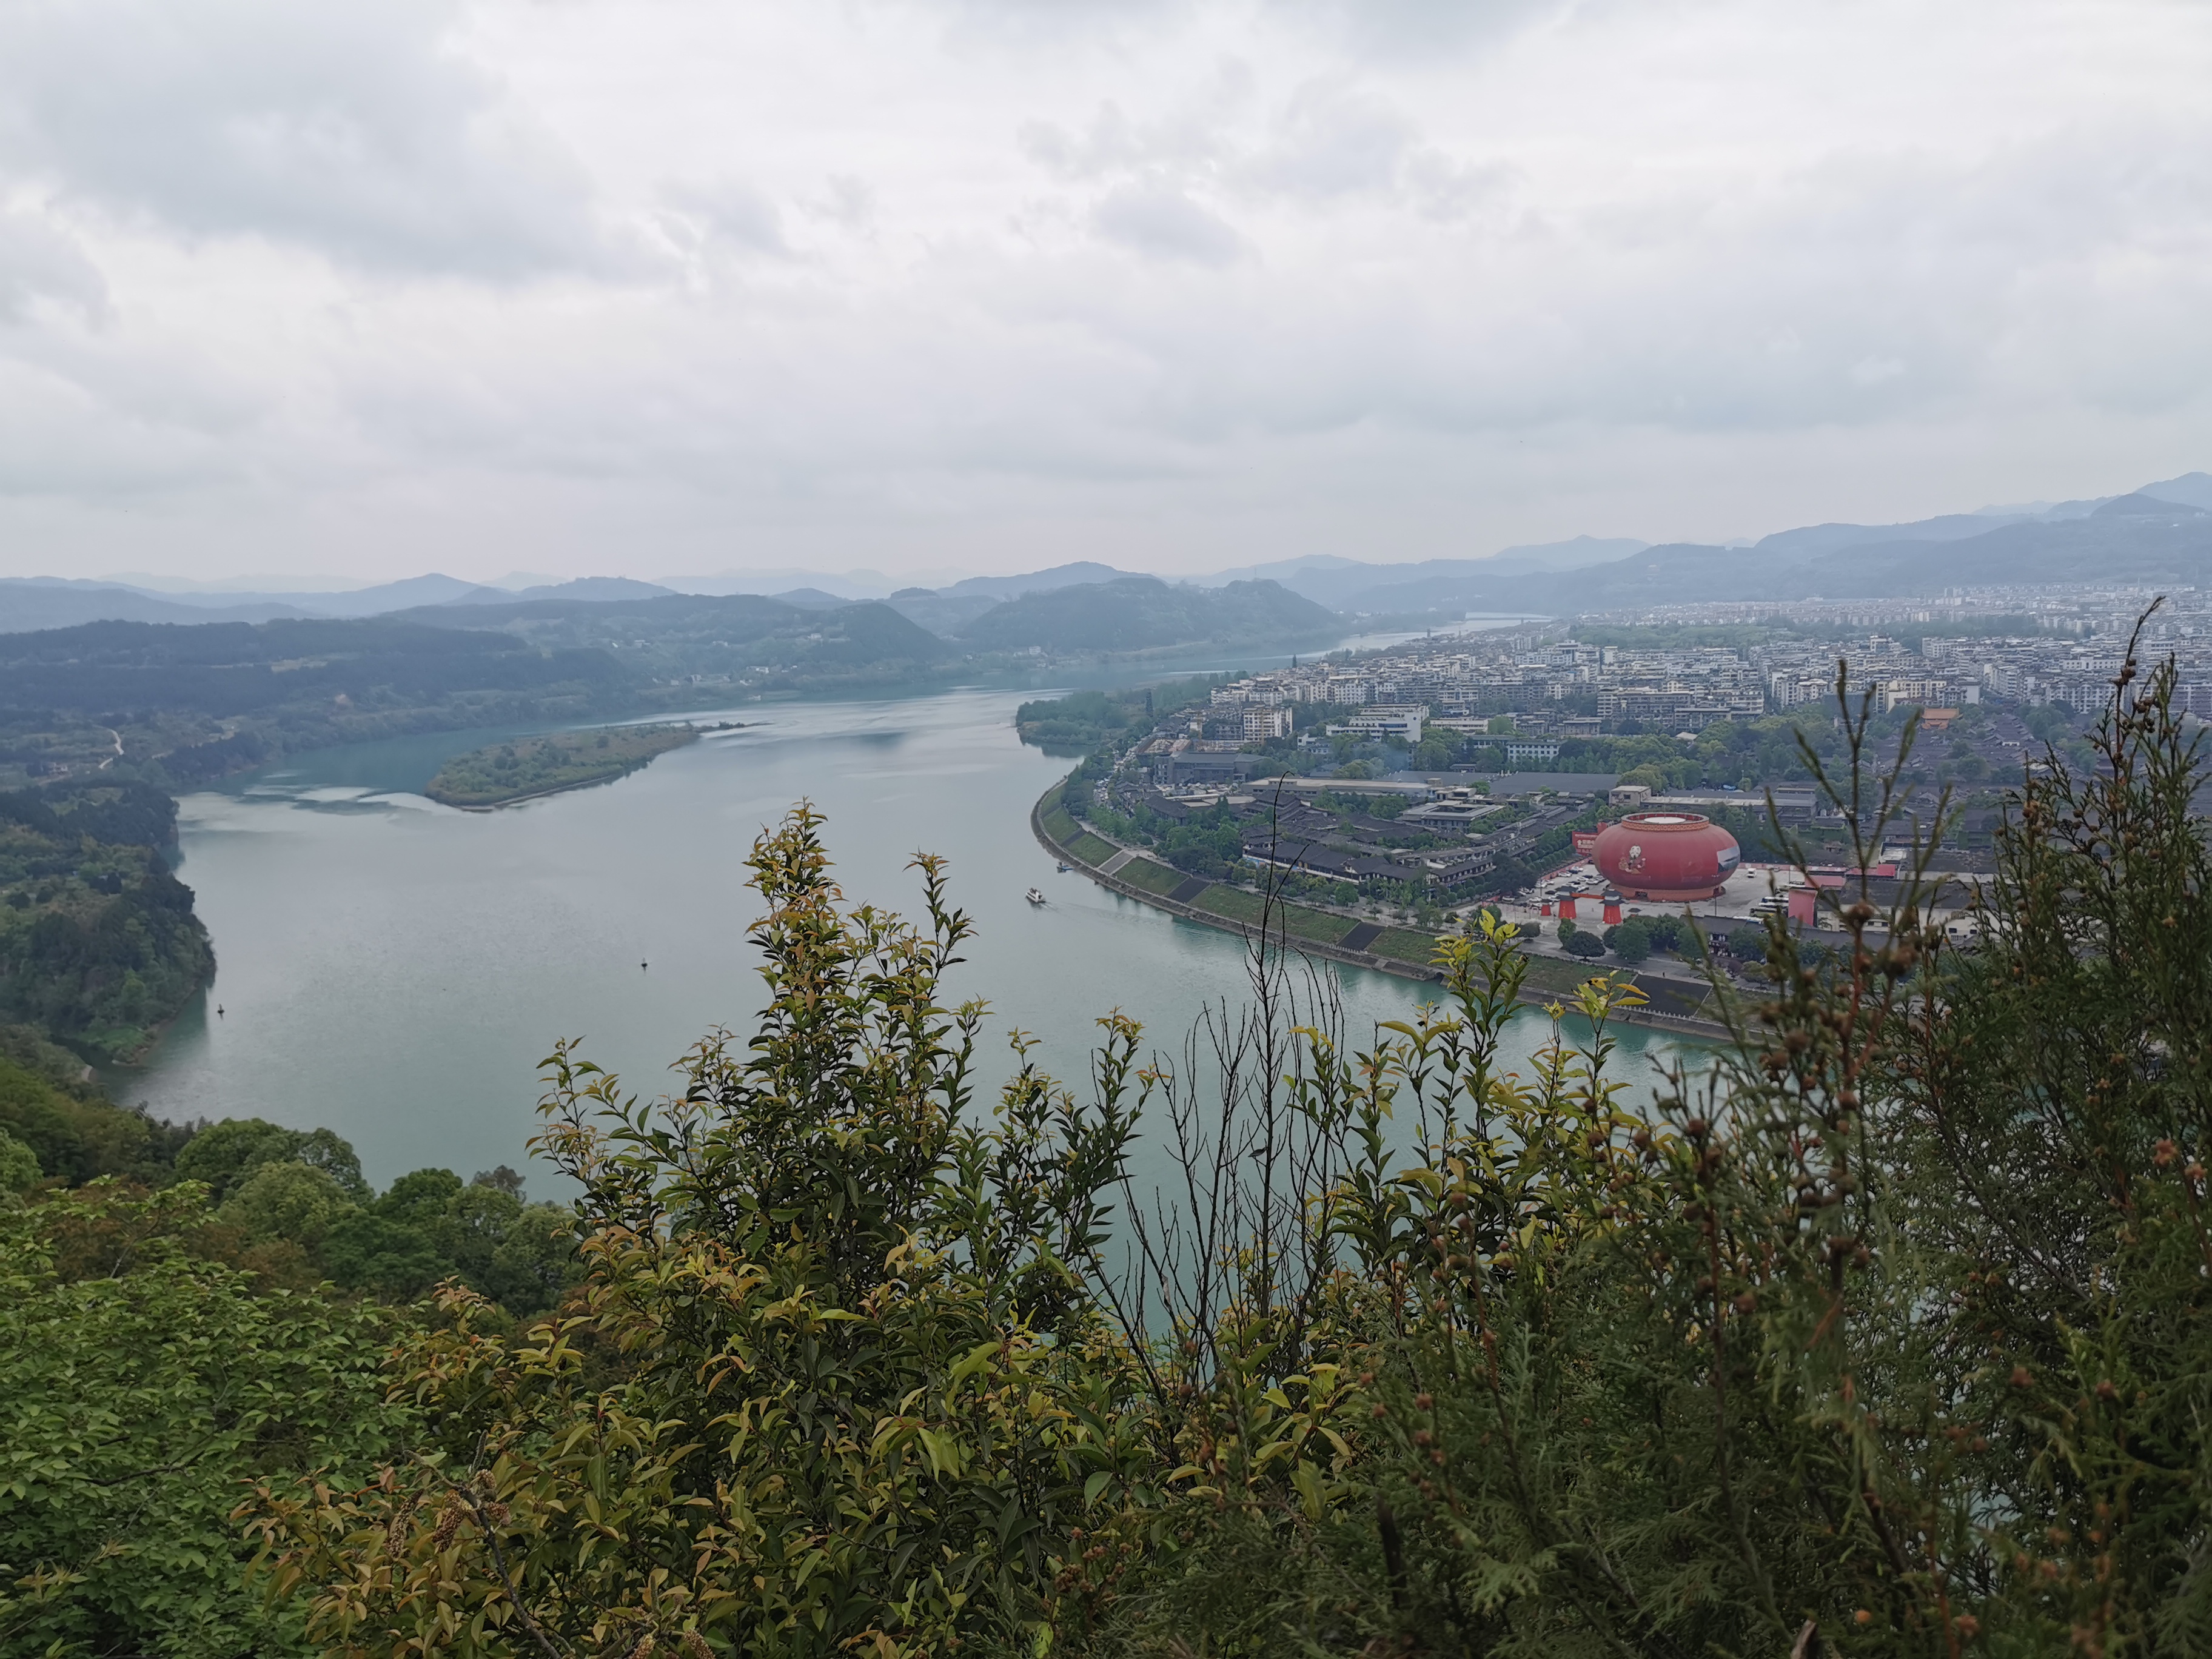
pixel 501 773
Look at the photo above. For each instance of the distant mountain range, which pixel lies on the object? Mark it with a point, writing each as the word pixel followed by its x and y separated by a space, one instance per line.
pixel 2160 533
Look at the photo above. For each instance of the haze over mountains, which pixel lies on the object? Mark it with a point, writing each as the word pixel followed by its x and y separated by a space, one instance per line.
pixel 2160 533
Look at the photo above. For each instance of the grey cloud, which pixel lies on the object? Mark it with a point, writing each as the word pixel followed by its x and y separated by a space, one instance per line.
pixel 1651 256
pixel 1165 224
pixel 1414 29
pixel 845 201
pixel 1444 188
pixel 1028 24
pixel 39 264
pixel 1113 143
pixel 349 126
pixel 1333 141
pixel 735 213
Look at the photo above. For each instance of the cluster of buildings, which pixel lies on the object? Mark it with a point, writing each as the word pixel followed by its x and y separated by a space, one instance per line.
pixel 1444 847
pixel 1528 691
pixel 1554 685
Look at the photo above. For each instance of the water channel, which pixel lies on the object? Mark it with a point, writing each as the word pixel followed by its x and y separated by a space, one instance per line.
pixel 395 970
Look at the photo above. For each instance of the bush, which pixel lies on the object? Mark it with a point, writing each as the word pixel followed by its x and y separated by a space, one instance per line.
pixel 1584 944
pixel 1629 940
pixel 846 1391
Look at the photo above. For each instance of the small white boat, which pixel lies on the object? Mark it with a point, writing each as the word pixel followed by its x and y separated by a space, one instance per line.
pixel 1034 896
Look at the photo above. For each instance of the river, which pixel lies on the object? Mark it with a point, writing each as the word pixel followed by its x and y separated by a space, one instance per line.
pixel 395 970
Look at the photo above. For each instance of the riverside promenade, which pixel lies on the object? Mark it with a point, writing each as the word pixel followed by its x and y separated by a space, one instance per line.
pixel 1675 1004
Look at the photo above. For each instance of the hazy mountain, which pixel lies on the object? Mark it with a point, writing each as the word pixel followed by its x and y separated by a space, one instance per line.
pixel 1818 538
pixel 28 604
pixel 1570 555
pixel 846 584
pixel 1141 613
pixel 587 590
pixel 683 634
pixel 942 614
pixel 2160 533
pixel 2161 543
pixel 1282 570
pixel 2191 488
pixel 1036 581
pixel 2144 505
pixel 2154 534
pixel 946 611
pixel 121 602
pixel 2164 544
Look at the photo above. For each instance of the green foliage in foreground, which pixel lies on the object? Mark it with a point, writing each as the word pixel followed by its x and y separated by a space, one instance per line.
pixel 159 1350
pixel 1886 1337
pixel 140 1383
pixel 833 1375
pixel 557 760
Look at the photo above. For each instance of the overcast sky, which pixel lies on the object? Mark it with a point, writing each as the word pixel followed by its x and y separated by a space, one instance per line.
pixel 368 287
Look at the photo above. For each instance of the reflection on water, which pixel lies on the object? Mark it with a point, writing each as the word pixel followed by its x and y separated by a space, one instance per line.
pixel 395 969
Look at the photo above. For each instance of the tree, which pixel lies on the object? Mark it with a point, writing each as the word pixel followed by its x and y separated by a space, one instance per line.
pixel 19 1165
pixel 224 1154
pixel 1629 940
pixel 429 1226
pixel 833 1385
pixel 140 1385
pixel 282 1200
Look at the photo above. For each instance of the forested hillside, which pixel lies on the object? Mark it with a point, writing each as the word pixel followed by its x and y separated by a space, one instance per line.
pixel 99 946
pixel 1139 613
pixel 187 704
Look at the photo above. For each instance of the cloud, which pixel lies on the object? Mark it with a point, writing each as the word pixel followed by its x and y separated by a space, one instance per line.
pixel 1416 29
pixel 1333 141
pixel 41 265
pixel 737 214
pixel 1165 224
pixel 351 127
pixel 911 282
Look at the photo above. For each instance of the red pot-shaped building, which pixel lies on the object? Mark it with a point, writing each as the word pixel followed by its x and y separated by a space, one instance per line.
pixel 1666 855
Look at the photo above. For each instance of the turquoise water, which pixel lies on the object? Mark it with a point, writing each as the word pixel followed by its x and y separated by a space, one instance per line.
pixel 395 970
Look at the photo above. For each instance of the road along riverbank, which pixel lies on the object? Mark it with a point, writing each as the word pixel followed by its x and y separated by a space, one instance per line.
pixel 1678 1006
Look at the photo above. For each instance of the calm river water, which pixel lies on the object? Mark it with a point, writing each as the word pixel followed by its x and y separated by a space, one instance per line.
pixel 395 970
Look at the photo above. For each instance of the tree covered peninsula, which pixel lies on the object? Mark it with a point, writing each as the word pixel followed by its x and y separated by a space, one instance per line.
pixel 526 767
pixel 99 946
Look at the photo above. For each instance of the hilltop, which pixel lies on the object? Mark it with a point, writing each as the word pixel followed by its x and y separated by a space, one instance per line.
pixel 1140 613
